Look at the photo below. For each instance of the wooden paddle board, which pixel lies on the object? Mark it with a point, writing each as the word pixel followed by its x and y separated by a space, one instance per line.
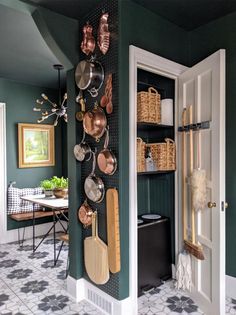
pixel 96 255
pixel 113 230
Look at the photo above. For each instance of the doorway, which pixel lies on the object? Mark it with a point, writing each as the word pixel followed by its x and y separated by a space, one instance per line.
pixel 191 85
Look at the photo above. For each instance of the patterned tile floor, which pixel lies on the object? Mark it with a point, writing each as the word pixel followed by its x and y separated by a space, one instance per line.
pixel 29 284
pixel 167 300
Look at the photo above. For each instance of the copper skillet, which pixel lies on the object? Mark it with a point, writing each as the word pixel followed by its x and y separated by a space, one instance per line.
pixel 106 159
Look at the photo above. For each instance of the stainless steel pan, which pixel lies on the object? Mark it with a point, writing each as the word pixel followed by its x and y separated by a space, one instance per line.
pixel 89 75
pixel 82 150
pixel 93 185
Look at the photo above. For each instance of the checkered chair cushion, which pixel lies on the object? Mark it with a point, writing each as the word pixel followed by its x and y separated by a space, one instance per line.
pixel 16 205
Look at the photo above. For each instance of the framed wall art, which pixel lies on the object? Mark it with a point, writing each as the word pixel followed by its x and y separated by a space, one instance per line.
pixel 36 145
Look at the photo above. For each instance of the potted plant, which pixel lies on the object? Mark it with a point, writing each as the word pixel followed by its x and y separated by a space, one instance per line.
pixel 48 187
pixel 60 184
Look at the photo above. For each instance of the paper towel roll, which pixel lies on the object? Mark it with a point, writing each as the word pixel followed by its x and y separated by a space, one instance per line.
pixel 167 111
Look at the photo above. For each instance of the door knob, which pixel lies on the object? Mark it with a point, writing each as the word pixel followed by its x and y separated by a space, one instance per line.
pixel 211 204
pixel 226 205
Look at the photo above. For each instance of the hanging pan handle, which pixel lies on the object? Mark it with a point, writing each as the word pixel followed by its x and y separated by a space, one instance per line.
pixel 106 142
pixel 94 162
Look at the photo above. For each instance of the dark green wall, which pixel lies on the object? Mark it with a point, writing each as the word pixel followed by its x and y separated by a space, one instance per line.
pixel 146 30
pixel 203 42
pixel 75 187
pixel 20 100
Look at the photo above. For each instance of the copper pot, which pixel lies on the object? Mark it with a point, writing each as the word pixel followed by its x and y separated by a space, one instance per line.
pixel 95 122
pixel 85 214
pixel 106 159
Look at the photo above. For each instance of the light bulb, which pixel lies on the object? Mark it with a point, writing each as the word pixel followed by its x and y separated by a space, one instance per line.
pixel 39 102
pixel 40 120
pixel 35 109
pixel 44 96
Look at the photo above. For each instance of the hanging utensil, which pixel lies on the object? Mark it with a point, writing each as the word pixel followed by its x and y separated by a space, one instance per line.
pixel 85 214
pixel 106 159
pixel 106 100
pixel 113 230
pixel 88 43
pixel 89 75
pixel 96 255
pixel 95 122
pixel 191 246
pixel 103 34
pixel 93 185
pixel 82 149
pixel 79 99
pixel 199 181
pixel 183 270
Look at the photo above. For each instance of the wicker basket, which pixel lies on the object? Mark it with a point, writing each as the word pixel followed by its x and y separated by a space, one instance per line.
pixel 149 106
pixel 164 155
pixel 141 148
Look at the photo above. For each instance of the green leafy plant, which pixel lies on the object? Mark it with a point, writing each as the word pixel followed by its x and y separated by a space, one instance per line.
pixel 59 182
pixel 47 184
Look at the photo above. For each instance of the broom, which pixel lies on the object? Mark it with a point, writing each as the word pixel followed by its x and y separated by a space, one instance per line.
pixel 191 246
pixel 183 270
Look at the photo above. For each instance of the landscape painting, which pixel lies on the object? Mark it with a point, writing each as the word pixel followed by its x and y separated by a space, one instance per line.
pixel 36 145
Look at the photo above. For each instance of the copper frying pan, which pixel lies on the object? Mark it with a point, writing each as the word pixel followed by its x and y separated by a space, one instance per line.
pixel 106 159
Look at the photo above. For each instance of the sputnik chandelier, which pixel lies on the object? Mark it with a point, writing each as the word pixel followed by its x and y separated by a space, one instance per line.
pixel 60 109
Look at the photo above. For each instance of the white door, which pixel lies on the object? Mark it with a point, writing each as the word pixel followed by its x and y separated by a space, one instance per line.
pixel 203 87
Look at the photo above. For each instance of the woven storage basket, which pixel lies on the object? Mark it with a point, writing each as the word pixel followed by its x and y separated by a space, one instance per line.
pixel 164 155
pixel 149 106
pixel 141 148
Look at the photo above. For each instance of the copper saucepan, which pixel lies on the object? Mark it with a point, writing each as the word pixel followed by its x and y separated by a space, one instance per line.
pixel 85 214
pixel 106 159
pixel 95 122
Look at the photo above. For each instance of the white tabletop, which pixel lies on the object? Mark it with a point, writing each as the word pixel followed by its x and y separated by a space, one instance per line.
pixel 49 202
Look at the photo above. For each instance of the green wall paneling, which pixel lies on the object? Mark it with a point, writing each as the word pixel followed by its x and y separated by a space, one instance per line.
pixel 143 194
pixel 204 41
pixel 162 197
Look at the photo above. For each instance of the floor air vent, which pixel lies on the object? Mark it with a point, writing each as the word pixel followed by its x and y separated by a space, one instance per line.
pixel 96 299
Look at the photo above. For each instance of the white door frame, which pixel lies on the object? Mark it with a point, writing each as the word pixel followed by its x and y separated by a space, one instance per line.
pixel 139 58
pixel 3 171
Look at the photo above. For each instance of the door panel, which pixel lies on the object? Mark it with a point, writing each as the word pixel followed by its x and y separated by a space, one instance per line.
pixel 203 87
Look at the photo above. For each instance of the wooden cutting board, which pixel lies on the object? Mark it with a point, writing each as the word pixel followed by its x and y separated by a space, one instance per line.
pixel 113 230
pixel 96 255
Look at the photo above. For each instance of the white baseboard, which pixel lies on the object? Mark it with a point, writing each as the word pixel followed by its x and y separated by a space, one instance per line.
pixel 82 289
pixel 230 286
